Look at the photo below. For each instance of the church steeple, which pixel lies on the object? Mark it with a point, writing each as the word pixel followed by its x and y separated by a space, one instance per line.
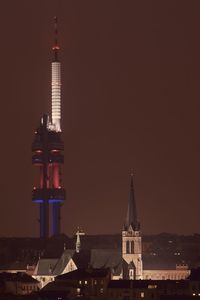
pixel 131 240
pixel 131 218
pixel 78 242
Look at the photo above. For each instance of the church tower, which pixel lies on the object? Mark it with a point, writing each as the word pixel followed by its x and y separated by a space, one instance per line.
pixel 131 240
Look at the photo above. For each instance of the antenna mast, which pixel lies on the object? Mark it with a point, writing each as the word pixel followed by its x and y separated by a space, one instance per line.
pixel 56 83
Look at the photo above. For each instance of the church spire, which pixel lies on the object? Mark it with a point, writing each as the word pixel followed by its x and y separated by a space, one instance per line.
pixel 131 218
pixel 78 241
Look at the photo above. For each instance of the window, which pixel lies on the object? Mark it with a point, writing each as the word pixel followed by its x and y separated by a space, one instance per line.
pixel 127 247
pixel 80 282
pixel 152 286
pixel 78 291
pixel 101 290
pixel 85 282
pixel 131 274
pixel 132 247
pixel 142 294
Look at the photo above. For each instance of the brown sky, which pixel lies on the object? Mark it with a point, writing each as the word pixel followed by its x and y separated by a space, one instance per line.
pixel 131 98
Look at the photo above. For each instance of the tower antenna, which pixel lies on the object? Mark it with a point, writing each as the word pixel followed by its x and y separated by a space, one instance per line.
pixel 56 83
pixel 55 47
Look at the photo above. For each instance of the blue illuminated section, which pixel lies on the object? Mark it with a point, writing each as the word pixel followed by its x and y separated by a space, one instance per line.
pixel 38 200
pixel 50 200
pixel 55 200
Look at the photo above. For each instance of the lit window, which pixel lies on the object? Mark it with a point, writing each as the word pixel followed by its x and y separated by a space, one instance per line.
pixel 85 281
pixel 142 294
pixel 101 290
pixel 152 286
pixel 78 290
pixel 80 282
pixel 95 282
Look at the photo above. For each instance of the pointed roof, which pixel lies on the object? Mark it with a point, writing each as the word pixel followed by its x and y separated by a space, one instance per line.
pixel 78 241
pixel 131 218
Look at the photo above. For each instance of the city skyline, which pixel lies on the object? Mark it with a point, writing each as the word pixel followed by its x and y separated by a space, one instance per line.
pixel 130 98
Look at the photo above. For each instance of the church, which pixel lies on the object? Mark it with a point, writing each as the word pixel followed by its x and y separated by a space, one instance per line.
pixel 126 262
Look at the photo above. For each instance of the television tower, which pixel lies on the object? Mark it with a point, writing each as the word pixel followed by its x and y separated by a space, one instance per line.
pixel 48 156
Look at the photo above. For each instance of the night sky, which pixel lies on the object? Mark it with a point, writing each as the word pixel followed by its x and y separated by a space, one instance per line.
pixel 131 98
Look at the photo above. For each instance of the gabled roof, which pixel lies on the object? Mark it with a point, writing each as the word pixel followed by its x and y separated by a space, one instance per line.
pixel 46 266
pixel 63 261
pixel 95 258
pixel 107 258
pixel 99 258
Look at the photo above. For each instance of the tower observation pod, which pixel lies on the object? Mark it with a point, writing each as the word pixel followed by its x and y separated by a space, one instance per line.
pixel 48 158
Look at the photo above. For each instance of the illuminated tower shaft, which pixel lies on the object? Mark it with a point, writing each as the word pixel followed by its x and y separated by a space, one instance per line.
pixel 56 96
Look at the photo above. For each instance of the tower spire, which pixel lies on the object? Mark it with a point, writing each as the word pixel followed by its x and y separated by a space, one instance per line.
pixel 78 241
pixel 55 47
pixel 56 83
pixel 131 218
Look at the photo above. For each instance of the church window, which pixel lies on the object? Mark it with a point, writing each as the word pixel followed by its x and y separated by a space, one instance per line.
pixel 132 246
pixel 131 274
pixel 127 247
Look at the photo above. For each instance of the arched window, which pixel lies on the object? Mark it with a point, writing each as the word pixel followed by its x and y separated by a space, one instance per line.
pixel 132 247
pixel 127 247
